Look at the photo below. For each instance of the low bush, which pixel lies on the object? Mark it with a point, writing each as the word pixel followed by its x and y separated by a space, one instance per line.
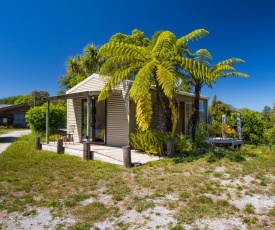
pixel 36 118
pixel 155 143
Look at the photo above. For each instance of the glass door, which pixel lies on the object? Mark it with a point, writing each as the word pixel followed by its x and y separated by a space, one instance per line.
pixel 188 112
pixel 98 121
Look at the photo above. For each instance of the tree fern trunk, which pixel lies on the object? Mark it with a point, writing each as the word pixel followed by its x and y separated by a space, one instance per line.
pixel 162 115
pixel 195 112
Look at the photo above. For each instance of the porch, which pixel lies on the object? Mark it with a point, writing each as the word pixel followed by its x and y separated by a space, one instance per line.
pixel 110 154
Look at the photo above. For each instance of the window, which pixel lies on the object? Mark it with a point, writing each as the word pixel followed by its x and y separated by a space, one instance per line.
pixel 201 107
pixel 19 119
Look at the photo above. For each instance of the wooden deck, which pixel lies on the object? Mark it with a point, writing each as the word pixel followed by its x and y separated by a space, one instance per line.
pixel 113 155
pixel 225 142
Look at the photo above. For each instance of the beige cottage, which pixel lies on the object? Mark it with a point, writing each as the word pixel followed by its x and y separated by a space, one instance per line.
pixel 111 121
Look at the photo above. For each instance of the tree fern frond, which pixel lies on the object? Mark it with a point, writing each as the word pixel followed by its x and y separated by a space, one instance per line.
pixel 144 111
pixel 142 82
pixel 123 49
pixel 235 74
pixel 231 61
pixel 167 79
pixel 204 57
pixel 105 92
pixel 221 68
pixel 165 44
pixel 196 34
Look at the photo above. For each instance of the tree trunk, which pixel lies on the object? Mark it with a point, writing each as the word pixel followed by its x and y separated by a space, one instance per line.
pixel 170 148
pixel 162 115
pixel 195 117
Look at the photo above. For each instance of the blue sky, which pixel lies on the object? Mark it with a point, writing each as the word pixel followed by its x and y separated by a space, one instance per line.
pixel 37 37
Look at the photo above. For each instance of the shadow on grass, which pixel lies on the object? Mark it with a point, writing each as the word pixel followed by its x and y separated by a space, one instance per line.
pixel 7 139
pixel 212 156
pixel 188 157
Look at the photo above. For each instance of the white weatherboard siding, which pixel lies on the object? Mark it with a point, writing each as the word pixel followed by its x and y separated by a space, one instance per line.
pixel 92 83
pixel 117 130
pixel 74 106
pixel 74 116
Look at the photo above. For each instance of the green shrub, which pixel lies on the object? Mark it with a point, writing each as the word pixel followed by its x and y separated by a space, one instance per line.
pixel 182 144
pixel 201 136
pixel 36 118
pixel 148 141
pixel 152 142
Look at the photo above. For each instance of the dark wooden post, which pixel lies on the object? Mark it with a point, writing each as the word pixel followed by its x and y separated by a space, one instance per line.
pixel 127 161
pixel 38 145
pixel 87 153
pixel 47 122
pixel 170 148
pixel 88 134
pixel 59 146
pixel 91 155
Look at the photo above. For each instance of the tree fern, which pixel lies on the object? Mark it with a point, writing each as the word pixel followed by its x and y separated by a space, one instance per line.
pixel 153 62
pixel 144 111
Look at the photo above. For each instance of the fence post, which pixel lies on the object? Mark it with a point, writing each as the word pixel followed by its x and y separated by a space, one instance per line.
pixel 127 161
pixel 59 148
pixel 87 153
pixel 38 145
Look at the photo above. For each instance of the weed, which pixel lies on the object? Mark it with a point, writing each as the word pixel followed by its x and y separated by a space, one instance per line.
pixel 197 208
pixel 177 227
pixel 143 205
pixel 249 209
pixel 29 213
pixel 184 195
pixel 271 212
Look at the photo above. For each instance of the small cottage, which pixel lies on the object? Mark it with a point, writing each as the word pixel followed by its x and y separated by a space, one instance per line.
pixel 111 121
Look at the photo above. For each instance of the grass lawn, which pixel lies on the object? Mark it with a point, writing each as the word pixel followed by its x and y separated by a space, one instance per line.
pixel 180 193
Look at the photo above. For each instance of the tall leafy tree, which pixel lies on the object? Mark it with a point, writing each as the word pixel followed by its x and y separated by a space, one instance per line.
pixel 81 66
pixel 218 108
pixel 199 72
pixel 148 63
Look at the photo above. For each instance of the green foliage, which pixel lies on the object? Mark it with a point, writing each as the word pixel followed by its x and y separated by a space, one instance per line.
pixel 155 143
pixel 217 109
pixel 26 99
pixel 148 63
pixel 182 144
pixel 80 67
pixel 199 73
pixel 253 123
pixel 269 136
pixel 201 136
pixel 36 118
pixel 149 141
pixel 252 126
